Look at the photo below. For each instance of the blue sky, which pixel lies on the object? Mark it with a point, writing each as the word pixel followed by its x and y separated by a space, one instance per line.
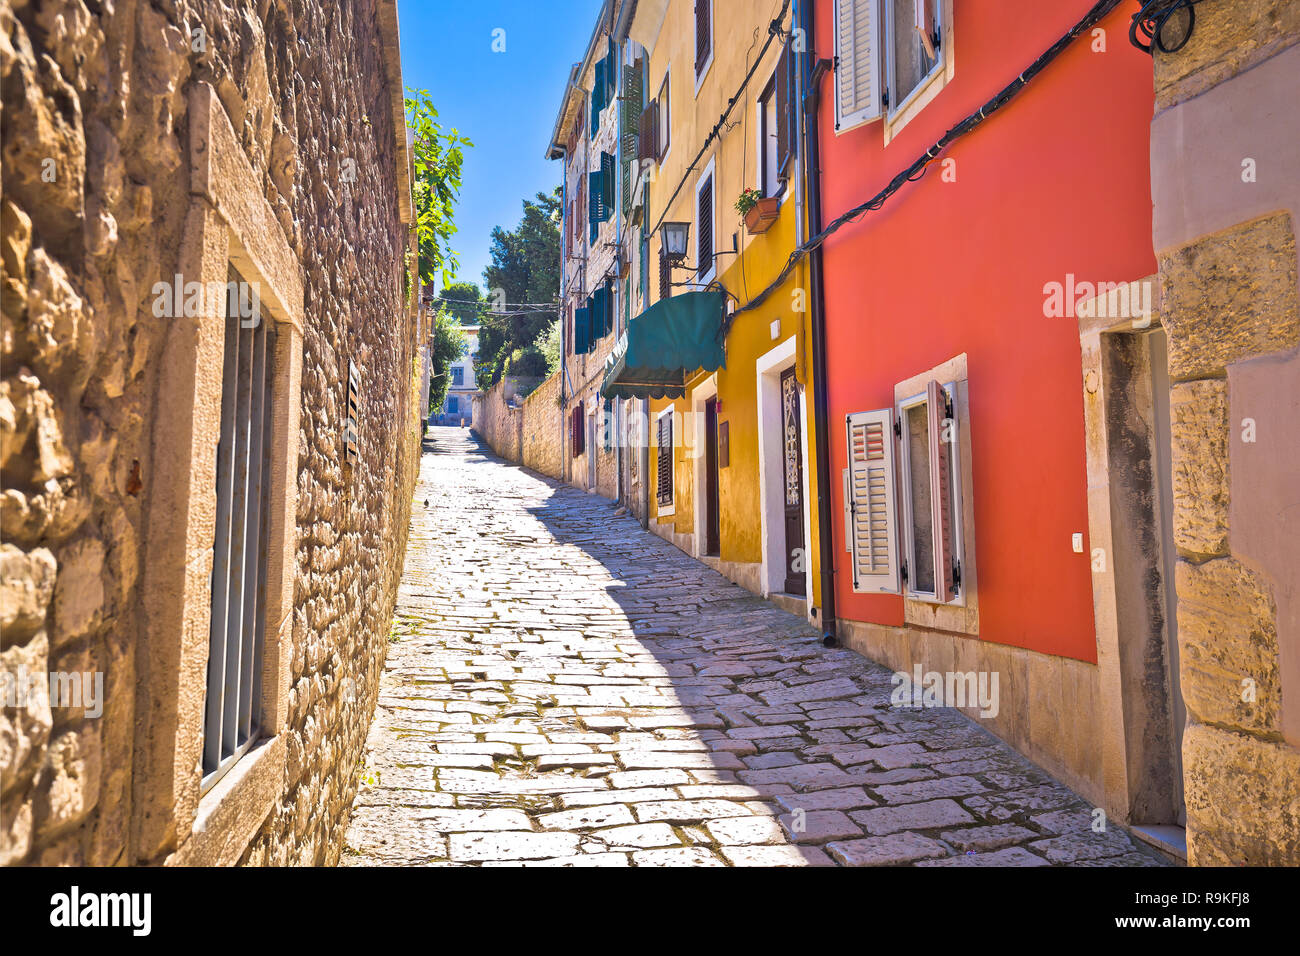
pixel 505 102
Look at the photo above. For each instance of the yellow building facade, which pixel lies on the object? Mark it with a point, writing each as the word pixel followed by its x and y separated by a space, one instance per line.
pixel 746 428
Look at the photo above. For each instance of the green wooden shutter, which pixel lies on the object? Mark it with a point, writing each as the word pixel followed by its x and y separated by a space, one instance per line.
pixel 595 201
pixel 608 174
pixel 580 329
pixel 631 123
pixel 598 93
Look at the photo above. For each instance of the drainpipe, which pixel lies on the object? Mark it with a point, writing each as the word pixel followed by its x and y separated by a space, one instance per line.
pixel 812 182
pixel 565 226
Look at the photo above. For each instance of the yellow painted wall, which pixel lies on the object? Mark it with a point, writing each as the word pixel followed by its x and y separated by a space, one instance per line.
pixel 760 260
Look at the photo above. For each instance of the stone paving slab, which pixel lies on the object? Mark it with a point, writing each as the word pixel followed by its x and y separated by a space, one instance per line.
pixel 566 689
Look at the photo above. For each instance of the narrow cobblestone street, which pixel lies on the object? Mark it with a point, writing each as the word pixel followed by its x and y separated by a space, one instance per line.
pixel 564 688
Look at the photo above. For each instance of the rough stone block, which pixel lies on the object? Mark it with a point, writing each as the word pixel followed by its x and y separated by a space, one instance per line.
pixel 1243 799
pixel 1199 431
pixel 1227 636
pixel 1230 296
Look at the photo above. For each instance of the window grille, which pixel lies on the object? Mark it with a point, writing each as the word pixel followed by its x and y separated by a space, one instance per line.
pixel 232 709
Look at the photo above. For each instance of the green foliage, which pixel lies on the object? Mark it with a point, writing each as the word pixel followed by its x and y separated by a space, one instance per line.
pixel 525 268
pixel 449 344
pixel 747 200
pixel 437 158
pixel 549 343
pixel 464 302
pixel 528 362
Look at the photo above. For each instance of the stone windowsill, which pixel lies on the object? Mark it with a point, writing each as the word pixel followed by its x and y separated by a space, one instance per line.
pixel 231 813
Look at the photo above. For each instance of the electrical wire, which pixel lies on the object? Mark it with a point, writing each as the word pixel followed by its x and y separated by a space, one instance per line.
pixel 917 169
pixel 774 30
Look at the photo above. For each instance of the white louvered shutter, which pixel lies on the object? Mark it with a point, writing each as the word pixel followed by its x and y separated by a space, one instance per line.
pixel 936 400
pixel 873 512
pixel 858 73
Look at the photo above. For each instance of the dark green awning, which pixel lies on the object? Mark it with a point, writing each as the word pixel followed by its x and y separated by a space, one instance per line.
pixel 664 344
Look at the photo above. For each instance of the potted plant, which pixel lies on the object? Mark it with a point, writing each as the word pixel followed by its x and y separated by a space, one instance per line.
pixel 759 211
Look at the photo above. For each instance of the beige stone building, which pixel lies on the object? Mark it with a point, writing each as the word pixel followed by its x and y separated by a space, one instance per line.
pixel 1225 176
pixel 209 424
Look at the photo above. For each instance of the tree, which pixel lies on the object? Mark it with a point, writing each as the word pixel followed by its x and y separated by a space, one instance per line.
pixel 437 158
pixel 525 270
pixel 464 302
pixel 449 344
pixel 549 343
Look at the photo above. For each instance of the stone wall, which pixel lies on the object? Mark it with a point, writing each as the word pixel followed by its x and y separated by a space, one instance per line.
pixel 98 142
pixel 498 419
pixel 1226 185
pixel 543 431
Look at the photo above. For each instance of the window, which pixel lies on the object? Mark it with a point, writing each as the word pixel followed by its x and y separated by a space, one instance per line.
pixel 453 405
pixel 703 39
pixel 663 111
pixel 232 713
pixel 776 127
pixel 665 274
pixel 664 463
pixel 630 126
pixel 903 498
pixel 600 200
pixel 913 49
pixel 581 330
pixel 887 50
pixel 457 376
pixel 576 430
pixel 704 250
pixel 767 161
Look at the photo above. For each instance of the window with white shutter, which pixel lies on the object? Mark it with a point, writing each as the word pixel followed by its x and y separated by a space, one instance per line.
pixel 872 512
pixel 929 478
pixel 858 90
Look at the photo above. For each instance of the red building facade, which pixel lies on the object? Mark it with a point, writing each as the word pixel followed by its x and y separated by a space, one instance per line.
pixel 955 311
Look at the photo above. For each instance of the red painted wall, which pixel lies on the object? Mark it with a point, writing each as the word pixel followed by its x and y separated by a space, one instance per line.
pixel 1057 182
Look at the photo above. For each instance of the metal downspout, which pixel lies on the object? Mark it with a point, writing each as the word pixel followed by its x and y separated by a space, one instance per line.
pixel 812 182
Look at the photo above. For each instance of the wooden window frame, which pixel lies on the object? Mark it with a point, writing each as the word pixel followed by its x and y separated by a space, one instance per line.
pixel 907 506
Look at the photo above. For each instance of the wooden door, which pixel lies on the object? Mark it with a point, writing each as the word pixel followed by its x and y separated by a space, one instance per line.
pixel 711 530
pixel 792 479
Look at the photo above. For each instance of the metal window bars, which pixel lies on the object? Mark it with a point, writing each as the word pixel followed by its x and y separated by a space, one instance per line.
pixel 233 706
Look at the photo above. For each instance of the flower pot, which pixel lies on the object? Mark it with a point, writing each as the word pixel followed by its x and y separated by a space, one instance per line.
pixel 762 214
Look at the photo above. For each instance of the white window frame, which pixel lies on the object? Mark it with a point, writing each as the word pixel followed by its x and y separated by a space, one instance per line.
pixel 662 510
pixel 703 279
pixel 900 112
pixel 713 38
pixel 906 537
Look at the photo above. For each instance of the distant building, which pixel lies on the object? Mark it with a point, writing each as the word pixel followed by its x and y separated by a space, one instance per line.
pixel 457 406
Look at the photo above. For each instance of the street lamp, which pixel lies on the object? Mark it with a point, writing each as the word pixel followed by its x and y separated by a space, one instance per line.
pixel 675 235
